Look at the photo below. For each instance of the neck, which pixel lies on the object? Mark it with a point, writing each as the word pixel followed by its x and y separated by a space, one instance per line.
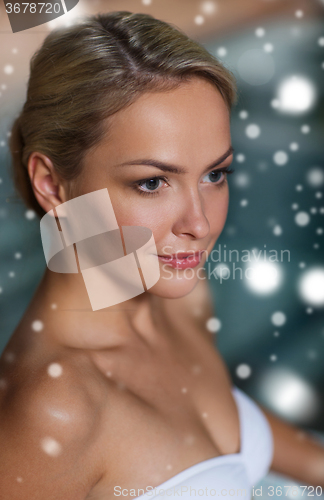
pixel 62 304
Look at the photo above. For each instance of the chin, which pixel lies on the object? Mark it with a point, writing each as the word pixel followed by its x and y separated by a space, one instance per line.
pixel 177 285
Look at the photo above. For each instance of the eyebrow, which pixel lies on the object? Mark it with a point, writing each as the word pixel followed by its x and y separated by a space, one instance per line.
pixel 167 167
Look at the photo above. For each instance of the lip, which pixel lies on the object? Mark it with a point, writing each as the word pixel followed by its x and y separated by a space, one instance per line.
pixel 182 260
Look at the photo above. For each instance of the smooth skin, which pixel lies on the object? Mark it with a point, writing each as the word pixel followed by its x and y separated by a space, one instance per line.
pixel 139 391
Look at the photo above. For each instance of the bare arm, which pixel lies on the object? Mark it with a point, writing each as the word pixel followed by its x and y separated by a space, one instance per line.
pixel 296 453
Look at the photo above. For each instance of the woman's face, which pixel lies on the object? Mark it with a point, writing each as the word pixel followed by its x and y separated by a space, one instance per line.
pixel 188 129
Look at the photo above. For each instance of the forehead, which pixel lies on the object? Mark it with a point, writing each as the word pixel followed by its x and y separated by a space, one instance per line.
pixel 189 123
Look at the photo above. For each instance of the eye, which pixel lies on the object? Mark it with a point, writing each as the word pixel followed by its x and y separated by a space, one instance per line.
pixel 149 187
pixel 218 176
pixel 214 176
pixel 151 184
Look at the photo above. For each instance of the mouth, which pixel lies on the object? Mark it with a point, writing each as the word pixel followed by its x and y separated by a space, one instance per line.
pixel 182 260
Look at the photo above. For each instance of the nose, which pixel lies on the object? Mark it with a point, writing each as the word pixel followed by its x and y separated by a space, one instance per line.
pixel 191 219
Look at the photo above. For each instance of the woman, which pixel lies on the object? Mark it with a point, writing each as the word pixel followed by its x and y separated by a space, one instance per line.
pixel 114 401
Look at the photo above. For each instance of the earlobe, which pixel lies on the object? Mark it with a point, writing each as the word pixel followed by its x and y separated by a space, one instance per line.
pixel 47 187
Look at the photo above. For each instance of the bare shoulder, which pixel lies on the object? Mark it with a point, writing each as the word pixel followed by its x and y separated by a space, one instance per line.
pixel 49 423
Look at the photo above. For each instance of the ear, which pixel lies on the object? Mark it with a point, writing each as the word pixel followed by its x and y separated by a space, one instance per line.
pixel 48 188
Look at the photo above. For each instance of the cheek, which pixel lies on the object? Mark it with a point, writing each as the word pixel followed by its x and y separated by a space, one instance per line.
pixel 216 211
pixel 137 214
pixel 145 213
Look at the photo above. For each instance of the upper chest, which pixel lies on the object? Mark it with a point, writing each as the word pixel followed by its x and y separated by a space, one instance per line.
pixel 169 406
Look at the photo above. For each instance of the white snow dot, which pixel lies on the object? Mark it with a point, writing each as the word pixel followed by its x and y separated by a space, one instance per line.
pixel 9 356
pixel 8 69
pixel 242 180
pixel 51 446
pixel 275 103
pixel 309 310
pixel 313 210
pixel 196 369
pixel 322 210
pixel 318 194
pixel 268 47
pixel 240 158
pixel 37 325
pixel 299 13
pixel 30 214
pixel 321 41
pixel 1 289
pixel 14 50
pixel 316 246
pixel 184 390
pixel 243 370
pixel 169 467
pixel 302 265
pixel 208 7
pixel 276 334
pixel 17 255
pixel 253 131
pixel 299 187
pixel 280 158
pixel 190 439
pixel 294 146
pixel 146 2
pixel 222 52
pixel 199 19
pixel 302 218
pixel 53 306
pixel 312 354
pixel 213 325
pixel 231 230
pixel 295 206
pixel 3 383
pixel 55 370
pixel 305 129
pixel 244 203
pixel 11 274
pixel 260 32
pixel 273 357
pixel 243 114
pixel 2 144
pixel 319 230
pixel 278 318
pixel 277 230
pixel 19 479
pixel 315 177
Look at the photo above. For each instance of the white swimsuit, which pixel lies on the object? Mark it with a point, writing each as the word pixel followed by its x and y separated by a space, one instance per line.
pixel 232 475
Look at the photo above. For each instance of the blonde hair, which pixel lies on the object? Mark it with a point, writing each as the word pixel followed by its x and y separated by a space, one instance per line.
pixel 84 73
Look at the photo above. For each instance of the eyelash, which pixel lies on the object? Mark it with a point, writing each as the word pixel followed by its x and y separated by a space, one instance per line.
pixel 225 170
